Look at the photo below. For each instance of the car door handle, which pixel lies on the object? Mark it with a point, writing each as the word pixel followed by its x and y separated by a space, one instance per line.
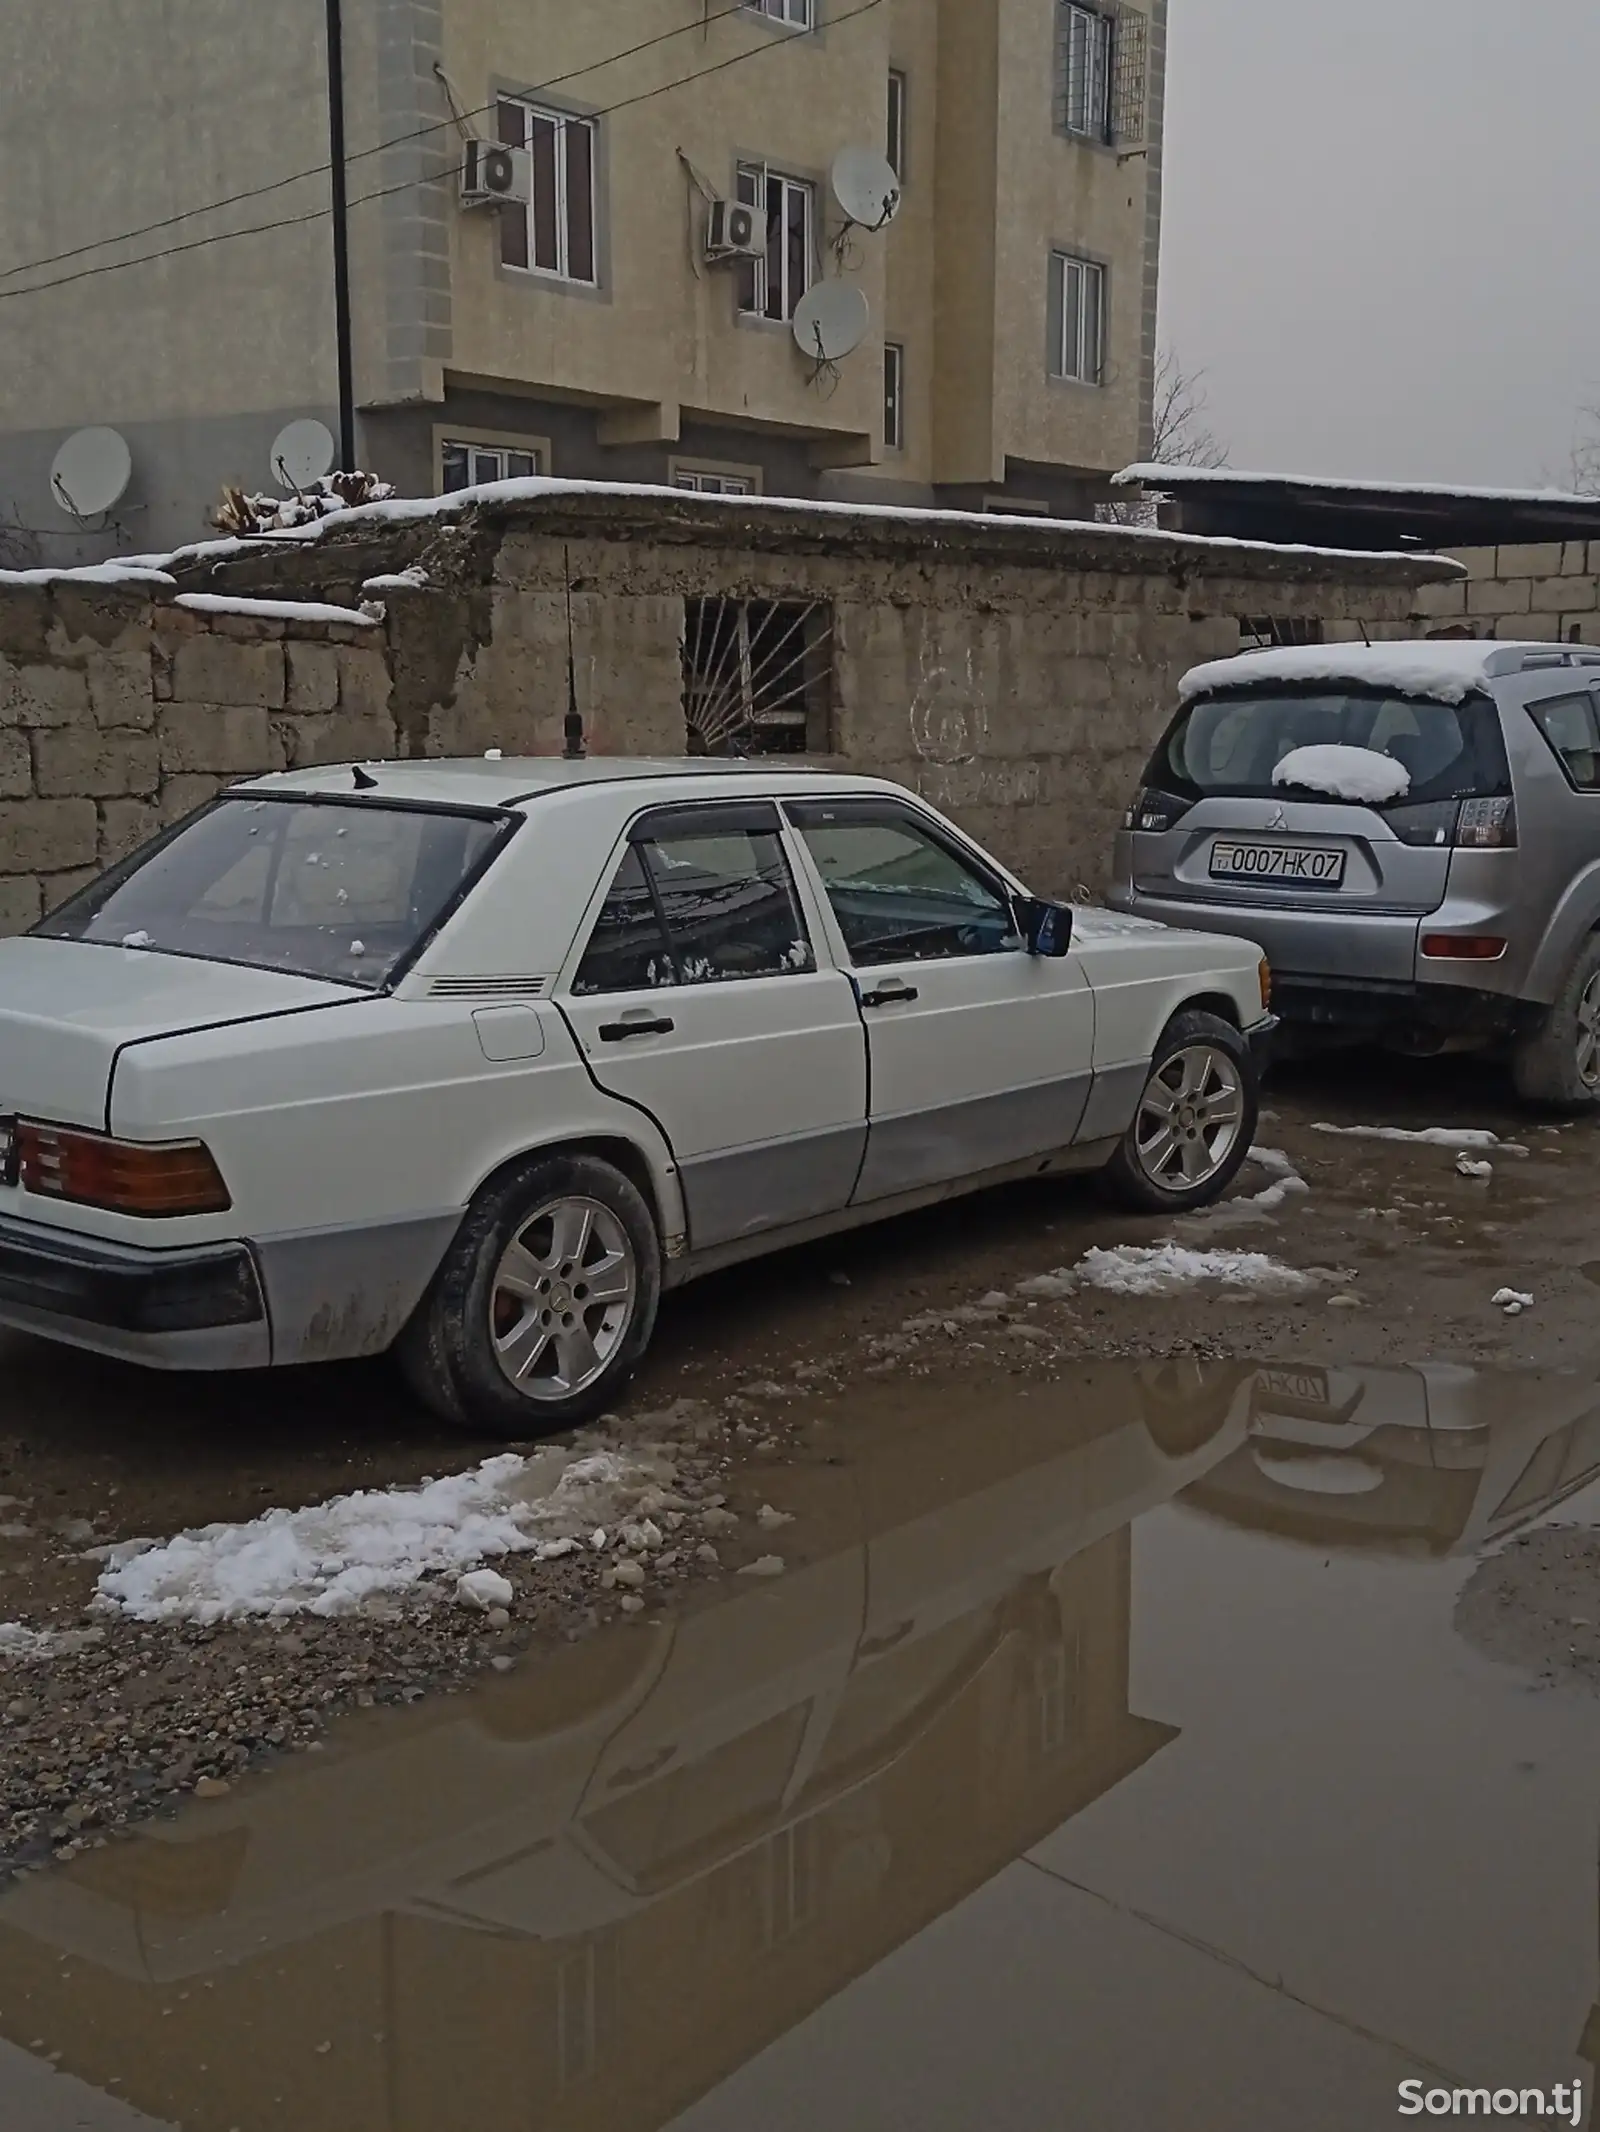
pixel 892 994
pixel 636 1025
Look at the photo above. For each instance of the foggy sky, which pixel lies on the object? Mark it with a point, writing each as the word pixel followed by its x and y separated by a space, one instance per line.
pixel 1381 231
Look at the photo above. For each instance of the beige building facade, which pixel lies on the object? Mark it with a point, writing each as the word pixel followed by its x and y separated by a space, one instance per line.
pixel 173 277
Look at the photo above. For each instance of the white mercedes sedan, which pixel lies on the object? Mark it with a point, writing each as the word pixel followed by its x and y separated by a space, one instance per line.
pixel 471 1060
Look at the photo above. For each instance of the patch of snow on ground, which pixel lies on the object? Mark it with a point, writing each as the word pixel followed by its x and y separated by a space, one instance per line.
pixel 1168 1269
pixel 24 1646
pixel 1362 774
pixel 1463 1136
pixel 330 1558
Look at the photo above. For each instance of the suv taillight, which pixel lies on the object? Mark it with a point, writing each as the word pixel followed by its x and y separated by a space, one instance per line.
pixel 1487 825
pixel 1155 810
pixel 1471 825
pixel 124 1176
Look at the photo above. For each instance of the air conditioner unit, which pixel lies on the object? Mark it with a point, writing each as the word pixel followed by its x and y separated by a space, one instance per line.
pixel 732 232
pixel 493 175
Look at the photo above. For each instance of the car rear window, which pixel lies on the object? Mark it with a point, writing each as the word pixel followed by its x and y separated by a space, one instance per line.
pixel 320 888
pixel 1229 745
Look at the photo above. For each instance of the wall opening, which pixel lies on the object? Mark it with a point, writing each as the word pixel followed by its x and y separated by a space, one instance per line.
pixel 758 676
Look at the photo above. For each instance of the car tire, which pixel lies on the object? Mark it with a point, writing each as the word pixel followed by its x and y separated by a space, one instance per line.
pixel 1557 1065
pixel 544 1305
pixel 1170 1160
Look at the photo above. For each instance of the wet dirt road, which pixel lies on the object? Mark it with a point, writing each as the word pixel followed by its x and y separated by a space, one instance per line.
pixel 1123 1746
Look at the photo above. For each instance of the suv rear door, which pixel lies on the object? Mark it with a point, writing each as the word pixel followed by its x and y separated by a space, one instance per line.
pixel 1212 826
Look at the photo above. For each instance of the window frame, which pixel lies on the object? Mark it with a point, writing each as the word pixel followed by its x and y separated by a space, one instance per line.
pixel 872 812
pixel 797 17
pixel 1569 695
pixel 1097 275
pixel 691 474
pixel 531 109
pixel 685 821
pixel 896 115
pixel 756 273
pixel 1096 121
pixel 447 436
pixel 894 396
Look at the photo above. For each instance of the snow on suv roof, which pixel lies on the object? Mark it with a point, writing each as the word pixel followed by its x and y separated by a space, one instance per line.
pixel 1446 671
pixel 499 781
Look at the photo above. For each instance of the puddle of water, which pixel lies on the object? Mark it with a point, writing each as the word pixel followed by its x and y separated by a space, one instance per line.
pixel 1106 1758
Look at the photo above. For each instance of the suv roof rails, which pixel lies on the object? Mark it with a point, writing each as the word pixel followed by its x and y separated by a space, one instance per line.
pixel 1560 655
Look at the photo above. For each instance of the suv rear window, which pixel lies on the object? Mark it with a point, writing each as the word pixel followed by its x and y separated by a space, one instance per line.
pixel 1229 746
pixel 334 889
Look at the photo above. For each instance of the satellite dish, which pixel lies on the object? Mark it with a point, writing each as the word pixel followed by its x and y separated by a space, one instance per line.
pixel 302 452
pixel 91 472
pixel 866 187
pixel 830 321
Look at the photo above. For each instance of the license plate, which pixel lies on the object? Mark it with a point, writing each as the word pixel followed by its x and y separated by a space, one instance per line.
pixel 1310 1387
pixel 8 1150
pixel 1301 865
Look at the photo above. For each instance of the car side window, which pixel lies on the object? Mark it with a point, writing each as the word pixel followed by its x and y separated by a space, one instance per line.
pixel 1572 728
pixel 898 891
pixel 692 907
pixel 627 950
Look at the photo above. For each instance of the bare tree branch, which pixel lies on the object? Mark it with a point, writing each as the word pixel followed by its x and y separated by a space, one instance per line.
pixel 1583 468
pixel 1180 436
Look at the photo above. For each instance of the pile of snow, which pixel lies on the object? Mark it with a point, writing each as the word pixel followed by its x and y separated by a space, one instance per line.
pixel 333 1557
pixel 1445 672
pixel 1169 1269
pixel 1364 775
pixel 1512 1301
pixel 275 610
pixel 1466 1138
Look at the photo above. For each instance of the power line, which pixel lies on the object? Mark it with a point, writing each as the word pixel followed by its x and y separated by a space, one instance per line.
pixel 315 214
pixel 399 140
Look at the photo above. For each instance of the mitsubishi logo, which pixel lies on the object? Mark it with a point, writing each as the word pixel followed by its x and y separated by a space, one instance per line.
pixel 1279 819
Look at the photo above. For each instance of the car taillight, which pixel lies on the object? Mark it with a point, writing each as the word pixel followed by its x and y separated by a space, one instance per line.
pixel 175 1177
pixel 1487 825
pixel 1266 984
pixel 1155 810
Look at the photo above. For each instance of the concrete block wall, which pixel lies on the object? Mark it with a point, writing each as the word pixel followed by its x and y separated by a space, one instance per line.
pixel 121 710
pixel 1016 678
pixel 1545 592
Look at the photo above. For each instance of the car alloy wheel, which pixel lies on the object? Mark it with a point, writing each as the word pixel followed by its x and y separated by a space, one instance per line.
pixel 1190 1117
pixel 1589 1034
pixel 562 1298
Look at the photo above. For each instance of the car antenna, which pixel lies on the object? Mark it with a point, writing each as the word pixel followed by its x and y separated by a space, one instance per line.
pixel 573 751
pixel 363 783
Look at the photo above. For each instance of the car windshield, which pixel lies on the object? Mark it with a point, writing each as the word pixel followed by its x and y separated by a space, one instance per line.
pixel 341 890
pixel 1229 745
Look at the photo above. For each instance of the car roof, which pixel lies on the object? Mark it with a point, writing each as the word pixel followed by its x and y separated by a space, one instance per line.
pixel 507 781
pixel 1446 669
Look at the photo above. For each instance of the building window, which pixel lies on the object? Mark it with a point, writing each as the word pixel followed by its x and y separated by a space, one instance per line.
pixel 464 466
pixel 894 400
pixel 771 287
pixel 897 123
pixel 555 233
pixel 1077 319
pixel 1085 66
pixel 713 481
pixel 793 14
pixel 757 676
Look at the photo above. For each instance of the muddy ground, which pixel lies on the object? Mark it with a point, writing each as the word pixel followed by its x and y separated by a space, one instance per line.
pixel 91 1452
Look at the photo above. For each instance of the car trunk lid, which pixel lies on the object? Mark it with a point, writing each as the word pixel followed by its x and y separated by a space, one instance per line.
pixel 67 1008
pixel 1300 853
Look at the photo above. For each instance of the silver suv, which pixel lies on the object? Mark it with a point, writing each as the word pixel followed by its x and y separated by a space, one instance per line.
pixel 1410 831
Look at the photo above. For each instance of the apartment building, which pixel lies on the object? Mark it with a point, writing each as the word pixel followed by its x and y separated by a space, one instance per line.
pixel 168 218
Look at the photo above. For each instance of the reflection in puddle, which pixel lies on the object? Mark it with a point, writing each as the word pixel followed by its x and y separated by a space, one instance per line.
pixel 759 1863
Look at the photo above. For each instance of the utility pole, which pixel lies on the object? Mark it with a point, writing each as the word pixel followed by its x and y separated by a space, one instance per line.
pixel 339 190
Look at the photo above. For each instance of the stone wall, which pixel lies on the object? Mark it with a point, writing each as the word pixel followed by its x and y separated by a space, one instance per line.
pixel 1543 592
pixel 121 710
pixel 1016 675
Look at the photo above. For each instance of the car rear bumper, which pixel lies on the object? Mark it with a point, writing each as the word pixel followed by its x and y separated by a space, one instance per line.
pixel 197 1309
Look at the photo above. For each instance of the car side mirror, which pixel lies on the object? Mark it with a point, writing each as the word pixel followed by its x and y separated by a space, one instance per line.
pixel 1046 927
